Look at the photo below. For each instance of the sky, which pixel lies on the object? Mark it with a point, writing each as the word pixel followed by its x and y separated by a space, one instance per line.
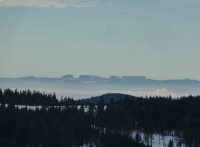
pixel 51 38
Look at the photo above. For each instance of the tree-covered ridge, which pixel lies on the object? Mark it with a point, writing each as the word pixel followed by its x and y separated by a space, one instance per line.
pixel 66 125
pixel 26 97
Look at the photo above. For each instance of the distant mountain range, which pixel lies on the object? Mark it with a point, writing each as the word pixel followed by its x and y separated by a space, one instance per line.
pixel 90 85
pixel 91 79
pixel 81 78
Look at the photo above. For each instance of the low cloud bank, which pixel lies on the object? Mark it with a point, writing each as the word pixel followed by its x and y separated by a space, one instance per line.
pixel 80 94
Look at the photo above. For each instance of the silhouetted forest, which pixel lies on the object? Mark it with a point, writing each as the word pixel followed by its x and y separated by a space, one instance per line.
pixel 69 122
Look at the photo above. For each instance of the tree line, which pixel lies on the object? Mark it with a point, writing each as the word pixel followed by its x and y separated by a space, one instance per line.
pixel 102 124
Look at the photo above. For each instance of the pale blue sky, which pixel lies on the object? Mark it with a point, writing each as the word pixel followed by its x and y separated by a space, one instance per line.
pixel 50 38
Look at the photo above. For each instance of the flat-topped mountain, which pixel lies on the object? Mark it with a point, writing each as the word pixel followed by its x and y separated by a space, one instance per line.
pixel 86 86
pixel 97 80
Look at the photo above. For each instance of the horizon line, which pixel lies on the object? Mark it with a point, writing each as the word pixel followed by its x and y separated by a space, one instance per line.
pixel 97 76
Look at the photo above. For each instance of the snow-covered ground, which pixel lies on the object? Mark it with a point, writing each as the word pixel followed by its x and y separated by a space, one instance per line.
pixel 163 141
pixel 155 140
pixel 25 106
pixel 86 108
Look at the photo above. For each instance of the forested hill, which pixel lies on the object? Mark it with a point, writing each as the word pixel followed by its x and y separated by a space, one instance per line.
pixel 103 124
pixel 107 97
pixel 26 97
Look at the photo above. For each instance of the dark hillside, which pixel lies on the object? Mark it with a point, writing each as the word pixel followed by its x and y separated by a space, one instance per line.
pixel 107 97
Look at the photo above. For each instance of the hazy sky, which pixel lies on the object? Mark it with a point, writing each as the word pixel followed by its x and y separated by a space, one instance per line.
pixel 50 38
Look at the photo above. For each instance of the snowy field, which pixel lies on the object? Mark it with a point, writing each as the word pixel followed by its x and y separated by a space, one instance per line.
pixel 40 107
pixel 163 141
pixel 86 108
pixel 155 141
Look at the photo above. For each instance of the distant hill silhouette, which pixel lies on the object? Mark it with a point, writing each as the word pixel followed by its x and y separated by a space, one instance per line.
pixel 107 97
